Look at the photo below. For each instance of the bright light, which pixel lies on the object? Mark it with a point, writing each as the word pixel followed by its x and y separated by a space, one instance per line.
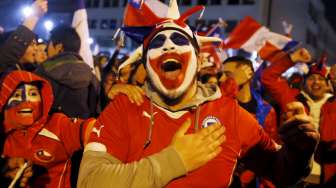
pixel 27 11
pixel 39 40
pixel 49 25
pixel 90 41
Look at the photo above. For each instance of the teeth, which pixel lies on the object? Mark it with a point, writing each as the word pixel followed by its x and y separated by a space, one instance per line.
pixel 26 110
pixel 167 60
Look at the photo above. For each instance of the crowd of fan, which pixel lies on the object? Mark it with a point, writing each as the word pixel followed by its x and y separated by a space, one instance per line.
pixel 81 95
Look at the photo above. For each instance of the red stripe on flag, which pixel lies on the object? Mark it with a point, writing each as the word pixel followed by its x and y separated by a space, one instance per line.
pixel 269 52
pixel 242 32
pixel 139 17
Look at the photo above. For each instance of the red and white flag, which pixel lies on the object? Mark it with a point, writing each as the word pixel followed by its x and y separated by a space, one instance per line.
pixel 80 23
pixel 144 13
pixel 252 36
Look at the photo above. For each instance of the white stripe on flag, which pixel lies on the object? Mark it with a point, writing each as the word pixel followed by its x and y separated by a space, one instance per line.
pixel 79 22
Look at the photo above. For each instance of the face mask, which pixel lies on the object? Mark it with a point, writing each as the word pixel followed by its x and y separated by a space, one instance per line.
pixel 23 107
pixel 171 63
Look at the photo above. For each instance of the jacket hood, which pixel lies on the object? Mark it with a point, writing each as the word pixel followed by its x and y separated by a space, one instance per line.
pixel 12 80
pixel 68 69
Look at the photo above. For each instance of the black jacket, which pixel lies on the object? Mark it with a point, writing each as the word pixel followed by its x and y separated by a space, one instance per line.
pixel 76 88
pixel 14 47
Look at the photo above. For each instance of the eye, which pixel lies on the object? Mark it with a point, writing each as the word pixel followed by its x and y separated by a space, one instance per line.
pixel 34 93
pixel 179 39
pixel 17 94
pixel 157 42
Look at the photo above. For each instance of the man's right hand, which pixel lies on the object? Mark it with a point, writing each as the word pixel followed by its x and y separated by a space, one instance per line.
pixel 198 148
pixel 40 7
pixel 301 55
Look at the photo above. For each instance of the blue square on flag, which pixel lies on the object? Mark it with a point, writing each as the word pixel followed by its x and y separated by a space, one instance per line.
pixel 136 3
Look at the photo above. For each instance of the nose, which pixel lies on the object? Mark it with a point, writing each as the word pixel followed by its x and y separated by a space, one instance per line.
pixel 168 46
pixel 165 49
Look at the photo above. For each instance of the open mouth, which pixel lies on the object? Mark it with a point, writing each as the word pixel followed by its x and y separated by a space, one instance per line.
pixel 171 68
pixel 25 111
pixel 171 65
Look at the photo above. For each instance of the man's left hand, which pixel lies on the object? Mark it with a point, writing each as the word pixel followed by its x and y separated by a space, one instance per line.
pixel 298 131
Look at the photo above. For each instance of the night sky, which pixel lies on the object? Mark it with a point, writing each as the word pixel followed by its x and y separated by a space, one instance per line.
pixel 330 13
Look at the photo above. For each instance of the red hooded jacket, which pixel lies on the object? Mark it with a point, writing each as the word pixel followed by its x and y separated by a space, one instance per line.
pixel 50 141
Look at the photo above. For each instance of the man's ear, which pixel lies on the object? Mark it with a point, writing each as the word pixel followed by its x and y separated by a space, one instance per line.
pixel 59 47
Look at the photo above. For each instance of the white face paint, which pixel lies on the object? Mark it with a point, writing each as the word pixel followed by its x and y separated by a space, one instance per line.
pixel 171 63
pixel 24 93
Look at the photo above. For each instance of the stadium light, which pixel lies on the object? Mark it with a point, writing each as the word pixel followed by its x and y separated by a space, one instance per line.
pixel 90 41
pixel 48 25
pixel 27 11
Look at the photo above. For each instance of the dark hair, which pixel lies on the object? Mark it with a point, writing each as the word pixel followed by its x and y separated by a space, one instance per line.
pixel 67 36
pixel 240 60
pixel 5 36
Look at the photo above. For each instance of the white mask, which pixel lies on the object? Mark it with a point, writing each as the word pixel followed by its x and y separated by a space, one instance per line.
pixel 171 63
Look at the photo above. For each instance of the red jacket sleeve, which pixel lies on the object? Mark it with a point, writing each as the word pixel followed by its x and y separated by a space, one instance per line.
pixel 274 83
pixel 70 131
pixel 250 133
pixel 111 129
pixel 271 125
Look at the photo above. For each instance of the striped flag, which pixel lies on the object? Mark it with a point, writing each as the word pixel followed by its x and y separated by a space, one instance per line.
pixel 80 23
pixel 252 36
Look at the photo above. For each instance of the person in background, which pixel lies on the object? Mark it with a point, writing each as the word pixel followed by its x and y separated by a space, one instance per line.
pixel 241 70
pixel 41 53
pixel 326 151
pixel 75 87
pixel 19 47
pixel 313 95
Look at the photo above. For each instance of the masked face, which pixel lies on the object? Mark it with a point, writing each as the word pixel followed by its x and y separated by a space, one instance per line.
pixel 171 63
pixel 23 107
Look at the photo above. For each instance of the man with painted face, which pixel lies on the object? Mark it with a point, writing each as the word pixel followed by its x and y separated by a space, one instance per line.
pixel 186 134
pixel 31 134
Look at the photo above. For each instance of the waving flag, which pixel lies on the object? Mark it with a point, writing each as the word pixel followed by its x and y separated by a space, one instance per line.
pixel 216 30
pixel 147 13
pixel 79 22
pixel 251 36
pixel 141 16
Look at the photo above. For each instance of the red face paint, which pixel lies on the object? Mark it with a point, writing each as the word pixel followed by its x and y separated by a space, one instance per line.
pixel 171 77
pixel 22 115
pixel 23 108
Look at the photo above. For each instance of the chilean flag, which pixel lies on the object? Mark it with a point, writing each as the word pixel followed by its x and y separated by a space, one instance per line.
pixel 141 16
pixel 147 13
pixel 251 36
pixel 80 23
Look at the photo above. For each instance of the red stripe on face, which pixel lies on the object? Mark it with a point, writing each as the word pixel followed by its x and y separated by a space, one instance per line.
pixel 22 115
pixel 171 79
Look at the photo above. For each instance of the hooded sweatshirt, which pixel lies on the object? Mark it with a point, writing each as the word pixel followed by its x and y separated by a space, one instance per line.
pixel 49 142
pixel 130 145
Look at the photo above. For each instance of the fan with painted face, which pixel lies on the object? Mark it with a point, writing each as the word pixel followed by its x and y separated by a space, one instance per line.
pixel 171 63
pixel 23 107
